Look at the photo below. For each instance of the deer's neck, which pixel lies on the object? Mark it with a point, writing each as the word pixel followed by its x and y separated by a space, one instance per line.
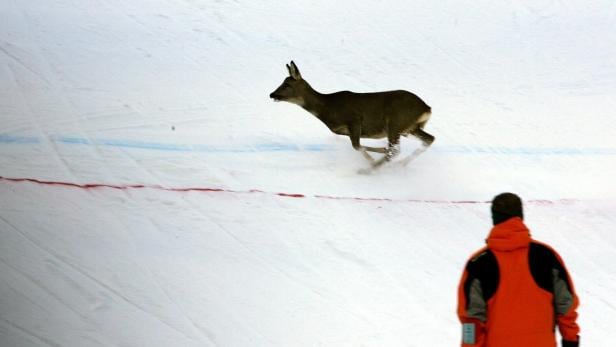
pixel 314 102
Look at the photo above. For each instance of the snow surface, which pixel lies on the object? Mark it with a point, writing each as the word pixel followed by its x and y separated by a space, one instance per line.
pixel 161 99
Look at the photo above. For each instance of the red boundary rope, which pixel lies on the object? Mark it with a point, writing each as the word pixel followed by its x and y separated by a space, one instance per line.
pixel 287 195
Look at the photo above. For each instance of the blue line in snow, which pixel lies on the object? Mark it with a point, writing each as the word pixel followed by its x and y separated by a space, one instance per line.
pixel 293 147
pixel 527 151
pixel 260 147
pixel 144 145
pixel 4 138
pixel 72 140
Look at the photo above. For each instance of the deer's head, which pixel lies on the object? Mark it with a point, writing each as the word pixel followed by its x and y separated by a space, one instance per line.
pixel 293 89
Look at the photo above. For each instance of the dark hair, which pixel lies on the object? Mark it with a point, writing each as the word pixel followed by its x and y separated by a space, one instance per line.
pixel 506 206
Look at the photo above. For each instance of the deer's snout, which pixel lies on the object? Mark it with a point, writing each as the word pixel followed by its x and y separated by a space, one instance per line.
pixel 275 96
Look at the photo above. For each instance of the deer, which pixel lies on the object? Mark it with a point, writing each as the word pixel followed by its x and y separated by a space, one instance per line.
pixel 376 115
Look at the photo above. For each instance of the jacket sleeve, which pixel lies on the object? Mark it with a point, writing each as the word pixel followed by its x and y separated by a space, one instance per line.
pixel 565 302
pixel 477 285
pixel 472 311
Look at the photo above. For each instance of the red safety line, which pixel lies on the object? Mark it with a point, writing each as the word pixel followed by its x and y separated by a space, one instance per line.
pixel 287 195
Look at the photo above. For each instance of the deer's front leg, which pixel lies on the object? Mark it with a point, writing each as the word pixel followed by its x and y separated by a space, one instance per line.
pixel 355 135
pixel 375 149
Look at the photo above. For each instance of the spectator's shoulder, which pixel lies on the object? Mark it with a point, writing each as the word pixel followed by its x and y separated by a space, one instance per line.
pixel 478 254
pixel 543 252
pixel 483 261
pixel 541 245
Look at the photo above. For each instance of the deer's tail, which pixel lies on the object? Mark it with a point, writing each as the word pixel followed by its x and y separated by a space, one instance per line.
pixel 424 118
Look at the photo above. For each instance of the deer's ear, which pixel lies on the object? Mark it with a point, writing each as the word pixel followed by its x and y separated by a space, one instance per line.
pixel 294 71
pixel 290 71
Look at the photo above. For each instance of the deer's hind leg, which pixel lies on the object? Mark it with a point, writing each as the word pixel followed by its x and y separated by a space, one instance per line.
pixel 426 140
pixel 424 137
pixel 392 150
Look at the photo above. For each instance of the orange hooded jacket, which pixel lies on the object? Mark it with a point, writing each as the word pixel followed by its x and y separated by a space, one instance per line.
pixel 515 291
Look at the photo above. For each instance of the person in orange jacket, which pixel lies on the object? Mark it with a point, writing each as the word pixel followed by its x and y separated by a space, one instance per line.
pixel 515 291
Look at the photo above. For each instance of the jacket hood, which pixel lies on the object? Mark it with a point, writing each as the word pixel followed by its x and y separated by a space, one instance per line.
pixel 509 235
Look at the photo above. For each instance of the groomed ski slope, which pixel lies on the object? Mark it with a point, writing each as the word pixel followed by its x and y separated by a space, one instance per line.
pixel 152 195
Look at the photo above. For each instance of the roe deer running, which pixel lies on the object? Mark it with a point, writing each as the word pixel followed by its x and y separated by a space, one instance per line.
pixel 388 114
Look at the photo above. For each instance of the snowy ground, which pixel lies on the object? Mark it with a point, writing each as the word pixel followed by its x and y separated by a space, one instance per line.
pixel 169 202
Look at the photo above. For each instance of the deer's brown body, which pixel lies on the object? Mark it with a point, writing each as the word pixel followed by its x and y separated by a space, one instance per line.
pixel 388 114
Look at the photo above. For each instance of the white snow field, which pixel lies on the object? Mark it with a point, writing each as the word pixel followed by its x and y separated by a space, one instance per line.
pixel 151 194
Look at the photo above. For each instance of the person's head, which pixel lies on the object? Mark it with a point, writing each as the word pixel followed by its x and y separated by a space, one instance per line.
pixel 506 206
